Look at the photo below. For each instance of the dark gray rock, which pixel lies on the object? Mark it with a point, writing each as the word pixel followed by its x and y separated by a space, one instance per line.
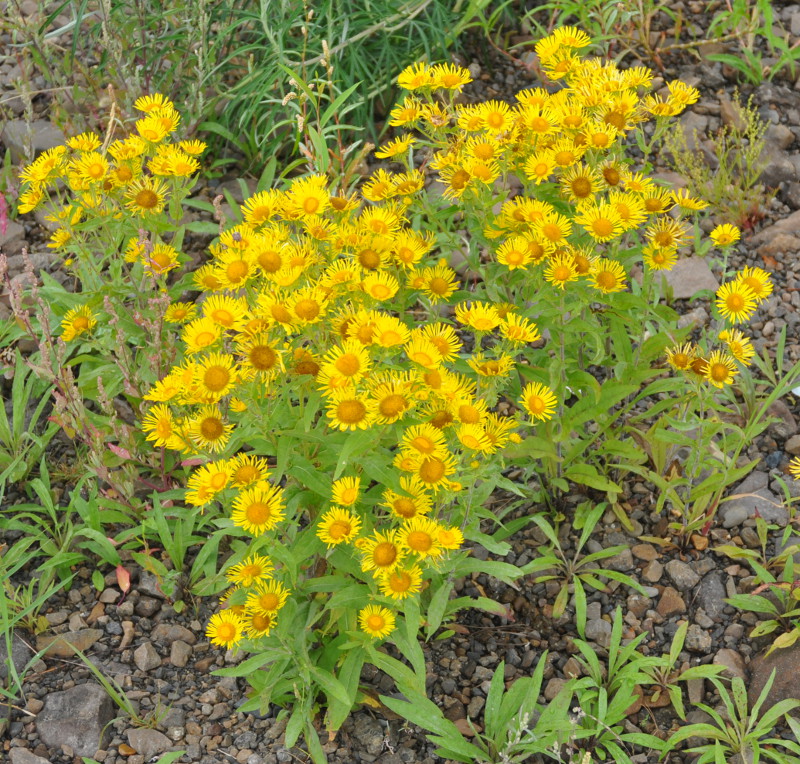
pixel 681 575
pixel 146 657
pixel 786 664
pixel 20 655
pixel 24 756
pixel 711 595
pixel 76 717
pixel 762 502
pixel 689 276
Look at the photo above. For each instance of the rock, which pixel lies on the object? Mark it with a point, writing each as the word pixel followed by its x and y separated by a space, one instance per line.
pixel 732 661
pixel 792 446
pixel 786 424
pixel 148 742
pixel 41 135
pixel 711 594
pixel 24 756
pixel 653 571
pixel 646 552
pixel 779 168
pixel 755 481
pixel 168 633
pixel 146 657
pixel 691 123
pixel 149 585
pixel 689 276
pixel 695 318
pixel 782 244
pixel 12 241
pixel 671 603
pixel 76 717
pixel 698 640
pixel 369 733
pixel 60 645
pixel 789 225
pixel 180 653
pixel 786 664
pixel 20 655
pixel 762 502
pixel 599 631
pixel 681 575
pixel 638 604
pixel 696 689
pixel 622 562
pixel 147 607
pixel 553 687
pixel 780 136
pixel 731 114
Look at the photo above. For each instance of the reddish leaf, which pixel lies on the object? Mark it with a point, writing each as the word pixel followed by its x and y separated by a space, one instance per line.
pixel 123 578
pixel 123 452
pixel 193 462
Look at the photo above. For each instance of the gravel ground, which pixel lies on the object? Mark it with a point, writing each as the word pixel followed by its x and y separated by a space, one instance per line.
pixel 164 663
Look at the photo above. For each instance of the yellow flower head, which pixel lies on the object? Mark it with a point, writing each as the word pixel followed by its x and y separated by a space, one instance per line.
pixel 681 357
pixel 381 552
pixel 720 369
pixel 338 526
pixel 269 597
pixel 259 508
pixel 758 280
pixel 76 322
pixel 377 621
pixel 225 629
pixel 251 570
pixel 736 301
pixel 401 582
pixel 345 491
pixel 539 401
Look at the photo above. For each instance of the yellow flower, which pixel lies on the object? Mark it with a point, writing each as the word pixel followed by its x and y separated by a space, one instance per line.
pixel 200 334
pixel 491 367
pixel 420 535
pixel 396 147
pixel 377 621
pixel 151 103
pixel 381 285
pixel 251 570
pixel 178 312
pixel 560 270
pixel 758 280
pixel 159 424
pixel 601 221
pixel 480 316
pixel 414 76
pixel 720 369
pixel 246 469
pixel 735 301
pixel 259 508
pixel 345 491
pixel 439 282
pixel 449 76
pixel 608 276
pixel 216 375
pixel 473 437
pixel 496 116
pixel 76 322
pixel 424 439
pixel 344 365
pixel 206 482
pixel 450 537
pixel 739 346
pixel 794 468
pixel 681 357
pixel 193 148
pixel 268 597
pixel 381 552
pixel 666 233
pixel 161 259
pixel 348 410
pixel 146 196
pixel 658 259
pixel 423 351
pixel 539 401
pixel 263 206
pixel 540 166
pixel 225 629
pixel 59 238
pixel 338 526
pixel 518 329
pixel 415 500
pixel 208 429
pixel 401 582
pixel 258 623
pixel 91 167
pixel 307 196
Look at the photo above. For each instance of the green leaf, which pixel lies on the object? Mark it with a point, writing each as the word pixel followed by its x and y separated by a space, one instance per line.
pixel 332 687
pixel 437 607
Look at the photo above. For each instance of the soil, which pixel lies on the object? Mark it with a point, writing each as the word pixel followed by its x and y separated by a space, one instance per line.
pixel 161 658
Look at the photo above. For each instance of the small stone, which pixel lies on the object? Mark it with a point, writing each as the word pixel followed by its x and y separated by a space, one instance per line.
pixel 127 634
pixel 653 571
pixel 149 585
pixel 553 687
pixel 168 633
pixel 621 562
pixel 697 689
pixel 180 653
pixel 34 705
pixel 77 717
pixel 12 239
pixel 786 424
pixel 792 446
pixel 698 640
pixel 572 668
pixel 61 645
pixel 57 618
pixel 147 607
pixel 681 575
pixel 148 742
pixel 146 657
pixel 20 654
pixel 761 502
pixel 732 661
pixel 671 603
pixel 109 595
pixel 638 604
pixel 646 552
pixel 599 631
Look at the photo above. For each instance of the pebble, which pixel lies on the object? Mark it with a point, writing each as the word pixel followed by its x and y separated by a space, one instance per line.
pixel 732 661
pixel 681 575
pixel 599 631
pixel 146 657
pixel 671 603
pixel 698 640
pixel 653 571
pixel 179 653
